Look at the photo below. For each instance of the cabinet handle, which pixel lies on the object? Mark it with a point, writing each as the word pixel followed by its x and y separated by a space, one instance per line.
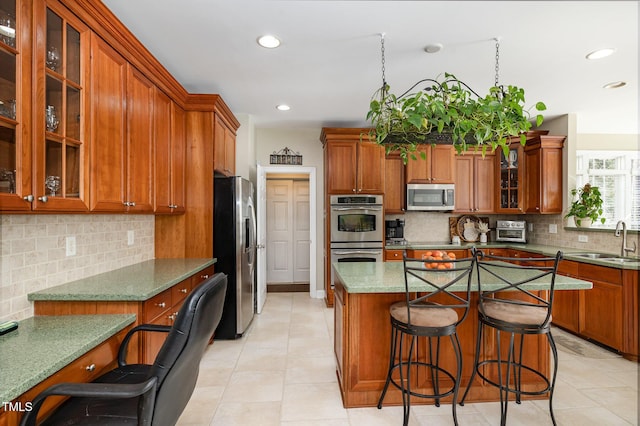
pixel 173 316
pixel 132 204
pixel 205 276
pixel 126 203
pixel 28 198
pixel 161 305
pixel 90 367
pixel 353 190
pixel 173 206
pixel 183 290
pixel 44 198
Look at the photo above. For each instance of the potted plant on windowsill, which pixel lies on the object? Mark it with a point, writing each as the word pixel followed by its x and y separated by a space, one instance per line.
pixel 587 208
pixel 451 110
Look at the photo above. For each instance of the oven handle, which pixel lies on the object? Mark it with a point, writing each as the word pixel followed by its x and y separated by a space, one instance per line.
pixel 343 209
pixel 345 252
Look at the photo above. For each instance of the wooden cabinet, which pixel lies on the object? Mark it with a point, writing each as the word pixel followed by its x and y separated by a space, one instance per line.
pixel 122 102
pixel 601 307
pixel 438 166
pixel 394 187
pixel 393 255
pixel 475 182
pixel 169 137
pixel 224 156
pixel 543 175
pixel 566 306
pixel 339 331
pixel 352 165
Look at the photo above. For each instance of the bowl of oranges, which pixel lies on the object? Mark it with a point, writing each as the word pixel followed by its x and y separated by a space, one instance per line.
pixel 442 257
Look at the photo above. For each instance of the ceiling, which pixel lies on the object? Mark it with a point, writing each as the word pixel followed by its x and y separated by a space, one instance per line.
pixel 329 62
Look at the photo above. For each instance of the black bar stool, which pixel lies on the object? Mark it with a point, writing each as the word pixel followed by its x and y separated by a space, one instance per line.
pixel 513 307
pixel 434 312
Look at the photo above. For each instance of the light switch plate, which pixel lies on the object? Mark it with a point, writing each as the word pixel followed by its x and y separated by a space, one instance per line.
pixel 130 237
pixel 583 239
pixel 553 228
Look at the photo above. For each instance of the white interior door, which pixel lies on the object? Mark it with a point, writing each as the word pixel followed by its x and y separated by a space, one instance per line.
pixel 261 272
pixel 280 226
pixel 301 225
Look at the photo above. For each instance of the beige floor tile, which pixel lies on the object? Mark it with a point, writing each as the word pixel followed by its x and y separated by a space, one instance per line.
pixel 262 358
pixel 597 416
pixel 254 386
pixel 311 370
pixel 312 401
pixel 201 406
pixel 247 413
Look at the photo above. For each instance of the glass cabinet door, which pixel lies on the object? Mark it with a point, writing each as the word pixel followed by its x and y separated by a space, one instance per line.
pixel 510 169
pixel 61 176
pixel 15 171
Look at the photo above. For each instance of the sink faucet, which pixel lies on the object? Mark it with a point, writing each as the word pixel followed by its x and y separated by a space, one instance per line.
pixel 624 249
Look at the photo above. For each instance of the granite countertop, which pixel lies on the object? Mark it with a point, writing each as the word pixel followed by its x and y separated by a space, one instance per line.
pixel 138 282
pixel 42 345
pixel 388 277
pixel 569 253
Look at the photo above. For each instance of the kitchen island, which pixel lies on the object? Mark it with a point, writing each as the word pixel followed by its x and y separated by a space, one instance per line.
pixel 364 292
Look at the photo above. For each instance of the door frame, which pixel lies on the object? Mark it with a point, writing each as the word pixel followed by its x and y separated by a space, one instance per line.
pixel 262 172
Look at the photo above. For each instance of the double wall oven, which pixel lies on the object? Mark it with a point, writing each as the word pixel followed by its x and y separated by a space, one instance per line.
pixel 357 229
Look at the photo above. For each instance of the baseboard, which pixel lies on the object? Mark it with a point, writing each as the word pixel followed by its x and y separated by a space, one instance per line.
pixel 288 288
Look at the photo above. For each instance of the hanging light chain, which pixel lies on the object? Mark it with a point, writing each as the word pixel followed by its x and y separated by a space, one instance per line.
pixel 384 78
pixel 497 39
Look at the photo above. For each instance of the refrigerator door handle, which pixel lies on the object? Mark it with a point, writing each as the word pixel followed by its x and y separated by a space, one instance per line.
pixel 252 235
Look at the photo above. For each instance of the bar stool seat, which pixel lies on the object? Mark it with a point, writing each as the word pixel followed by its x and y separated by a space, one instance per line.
pixel 420 315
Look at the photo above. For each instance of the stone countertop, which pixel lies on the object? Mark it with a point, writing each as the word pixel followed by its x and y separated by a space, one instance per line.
pixel 138 282
pixel 42 345
pixel 388 277
pixel 569 253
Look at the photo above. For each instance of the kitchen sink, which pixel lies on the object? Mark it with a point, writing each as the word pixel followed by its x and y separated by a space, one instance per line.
pixel 592 255
pixel 620 259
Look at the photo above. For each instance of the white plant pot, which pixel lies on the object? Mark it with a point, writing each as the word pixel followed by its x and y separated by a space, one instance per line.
pixel 584 222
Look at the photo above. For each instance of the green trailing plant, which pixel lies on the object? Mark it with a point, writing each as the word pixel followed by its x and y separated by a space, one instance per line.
pixel 587 205
pixel 449 111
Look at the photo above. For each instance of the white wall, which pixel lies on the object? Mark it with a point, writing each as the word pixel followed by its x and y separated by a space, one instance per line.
pixel 307 142
pixel 246 148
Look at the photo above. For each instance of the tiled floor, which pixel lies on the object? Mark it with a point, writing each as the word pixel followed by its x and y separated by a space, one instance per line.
pixel 282 373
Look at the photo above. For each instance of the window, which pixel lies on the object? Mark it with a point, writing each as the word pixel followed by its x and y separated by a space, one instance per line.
pixel 617 175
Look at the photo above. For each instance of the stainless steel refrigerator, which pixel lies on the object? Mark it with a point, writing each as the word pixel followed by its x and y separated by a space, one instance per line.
pixel 234 246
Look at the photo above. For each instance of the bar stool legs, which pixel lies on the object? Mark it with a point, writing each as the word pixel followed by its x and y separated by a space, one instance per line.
pixel 404 368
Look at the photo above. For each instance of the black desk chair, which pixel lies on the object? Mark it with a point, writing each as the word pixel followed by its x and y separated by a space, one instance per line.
pixel 514 309
pixel 145 394
pixel 432 313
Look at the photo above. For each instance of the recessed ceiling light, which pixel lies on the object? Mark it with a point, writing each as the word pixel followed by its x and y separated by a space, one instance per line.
pixel 614 85
pixel 269 41
pixel 601 53
pixel 283 107
pixel 433 48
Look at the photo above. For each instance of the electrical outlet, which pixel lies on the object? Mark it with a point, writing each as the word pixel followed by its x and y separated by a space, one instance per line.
pixel 530 227
pixel 553 228
pixel 71 245
pixel 130 237
pixel 583 239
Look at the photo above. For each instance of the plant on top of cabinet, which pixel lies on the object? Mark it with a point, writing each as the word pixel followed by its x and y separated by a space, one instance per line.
pixel 449 109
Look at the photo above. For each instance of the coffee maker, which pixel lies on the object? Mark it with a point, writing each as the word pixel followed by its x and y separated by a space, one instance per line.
pixel 394 231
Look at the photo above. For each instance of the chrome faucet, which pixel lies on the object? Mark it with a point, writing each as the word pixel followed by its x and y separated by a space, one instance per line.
pixel 624 249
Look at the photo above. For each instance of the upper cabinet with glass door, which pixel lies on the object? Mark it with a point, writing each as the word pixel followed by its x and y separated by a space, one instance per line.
pixel 15 82
pixel 60 110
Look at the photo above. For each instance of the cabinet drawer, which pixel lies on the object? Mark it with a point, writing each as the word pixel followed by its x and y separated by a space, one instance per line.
pixel 600 273
pixel 180 291
pixel 568 268
pixel 199 277
pixel 393 255
pixel 156 305
pixel 84 369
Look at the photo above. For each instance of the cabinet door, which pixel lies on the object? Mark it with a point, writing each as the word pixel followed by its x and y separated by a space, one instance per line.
pixel 178 153
pixel 15 114
pixel 60 114
pixel 340 167
pixel 419 170
pixel 510 178
pixel 543 176
pixel 443 164
pixel 224 155
pixel 601 313
pixel 108 115
pixel 370 168
pixel 394 189
pixel 139 160
pixel 464 199
pixel 566 306
pixel 230 151
pixel 484 173
pixel 162 140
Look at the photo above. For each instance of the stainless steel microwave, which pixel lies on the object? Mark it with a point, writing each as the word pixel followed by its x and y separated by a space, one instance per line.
pixel 430 196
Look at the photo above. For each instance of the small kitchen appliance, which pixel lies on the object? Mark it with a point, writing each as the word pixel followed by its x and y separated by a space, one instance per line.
pixel 514 231
pixel 430 196
pixel 394 231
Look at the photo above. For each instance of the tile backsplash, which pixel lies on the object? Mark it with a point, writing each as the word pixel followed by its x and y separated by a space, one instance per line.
pixel 33 252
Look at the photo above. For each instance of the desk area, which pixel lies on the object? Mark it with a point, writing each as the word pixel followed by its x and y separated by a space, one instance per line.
pixel 364 292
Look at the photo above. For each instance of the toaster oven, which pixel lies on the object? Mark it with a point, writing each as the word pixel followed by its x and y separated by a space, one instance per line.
pixel 514 231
